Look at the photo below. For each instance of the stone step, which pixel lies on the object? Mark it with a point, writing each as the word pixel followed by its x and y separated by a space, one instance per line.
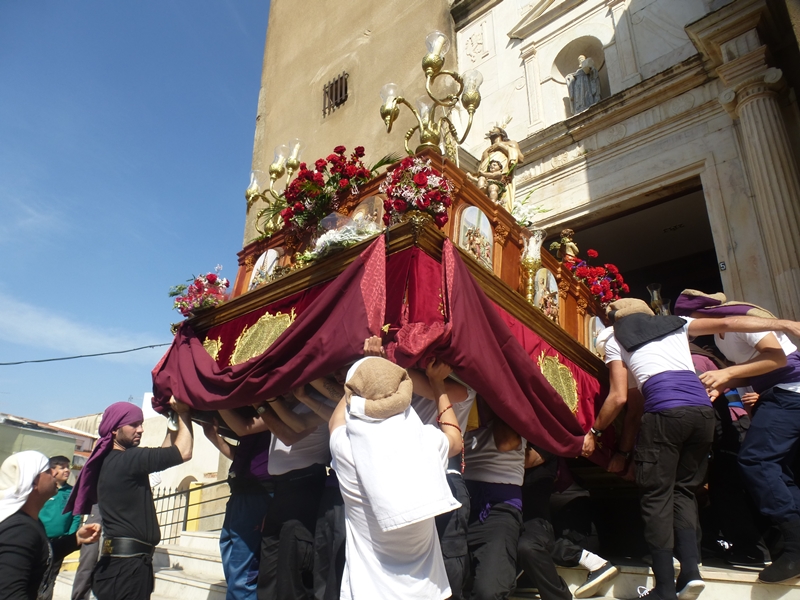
pixel 174 583
pixel 191 561
pixel 722 583
pixel 207 541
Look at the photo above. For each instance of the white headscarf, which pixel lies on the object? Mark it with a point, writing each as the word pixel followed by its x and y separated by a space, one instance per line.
pixel 16 479
pixel 400 470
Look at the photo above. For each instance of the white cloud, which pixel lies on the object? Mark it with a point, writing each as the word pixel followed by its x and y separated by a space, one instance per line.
pixel 20 217
pixel 42 329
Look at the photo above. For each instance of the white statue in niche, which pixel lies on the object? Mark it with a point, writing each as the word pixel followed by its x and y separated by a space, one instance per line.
pixel 583 85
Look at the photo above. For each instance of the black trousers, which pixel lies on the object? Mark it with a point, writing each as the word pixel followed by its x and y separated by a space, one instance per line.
pixel 82 584
pixel 493 552
pixel 297 497
pixel 329 546
pixel 535 555
pixel 452 529
pixel 671 461
pixel 128 578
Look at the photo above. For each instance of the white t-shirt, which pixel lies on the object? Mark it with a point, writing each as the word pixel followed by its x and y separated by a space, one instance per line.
pixel 311 450
pixel 670 353
pixel 741 347
pixel 484 462
pixel 401 564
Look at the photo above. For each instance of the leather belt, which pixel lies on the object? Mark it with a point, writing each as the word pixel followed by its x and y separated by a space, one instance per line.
pixel 122 547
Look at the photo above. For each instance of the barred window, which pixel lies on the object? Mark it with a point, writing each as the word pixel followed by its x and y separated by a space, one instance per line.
pixel 334 94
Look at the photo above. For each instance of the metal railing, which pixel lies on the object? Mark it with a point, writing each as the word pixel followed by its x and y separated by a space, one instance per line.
pixel 179 510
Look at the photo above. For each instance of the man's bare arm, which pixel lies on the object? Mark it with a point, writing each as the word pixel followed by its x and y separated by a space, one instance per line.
pixel 298 423
pixel 708 326
pixel 183 439
pixel 616 399
pixel 770 357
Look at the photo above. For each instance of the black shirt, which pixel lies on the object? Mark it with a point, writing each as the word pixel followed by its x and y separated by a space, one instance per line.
pixel 25 556
pixel 123 491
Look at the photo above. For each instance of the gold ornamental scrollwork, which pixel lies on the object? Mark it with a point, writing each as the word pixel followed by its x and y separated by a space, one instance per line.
pixel 256 339
pixel 582 306
pixel 213 347
pixel 561 378
pixel 563 288
pixel 501 233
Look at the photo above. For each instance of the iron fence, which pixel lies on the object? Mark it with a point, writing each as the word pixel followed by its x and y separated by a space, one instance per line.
pixel 178 510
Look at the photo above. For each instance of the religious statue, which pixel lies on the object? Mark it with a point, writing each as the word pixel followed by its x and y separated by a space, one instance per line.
pixel 565 246
pixel 583 85
pixel 495 174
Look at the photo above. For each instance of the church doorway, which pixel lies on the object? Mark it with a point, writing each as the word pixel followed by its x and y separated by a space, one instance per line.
pixel 669 242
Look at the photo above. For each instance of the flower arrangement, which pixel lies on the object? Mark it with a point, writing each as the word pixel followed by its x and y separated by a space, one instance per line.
pixel 605 282
pixel 203 291
pixel 416 185
pixel 316 192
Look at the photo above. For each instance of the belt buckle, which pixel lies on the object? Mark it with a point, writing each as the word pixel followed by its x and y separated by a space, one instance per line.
pixel 108 546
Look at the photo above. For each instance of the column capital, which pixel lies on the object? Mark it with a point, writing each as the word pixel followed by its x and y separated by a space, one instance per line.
pixel 765 83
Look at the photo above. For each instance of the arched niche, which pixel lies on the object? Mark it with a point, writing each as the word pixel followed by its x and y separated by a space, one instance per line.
pixel 475 234
pixel 594 325
pixel 546 296
pixel 566 62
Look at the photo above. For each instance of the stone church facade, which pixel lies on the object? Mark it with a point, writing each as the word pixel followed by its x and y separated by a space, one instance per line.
pixel 684 172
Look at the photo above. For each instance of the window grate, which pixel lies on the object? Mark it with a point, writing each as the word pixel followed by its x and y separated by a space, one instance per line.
pixel 334 94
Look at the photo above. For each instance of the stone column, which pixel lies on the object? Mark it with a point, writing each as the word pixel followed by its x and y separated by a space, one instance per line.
pixel 773 176
pixel 752 97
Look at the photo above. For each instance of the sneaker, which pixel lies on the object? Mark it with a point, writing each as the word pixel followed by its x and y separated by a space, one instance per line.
pixel 692 589
pixel 595 579
pixel 745 559
pixel 648 593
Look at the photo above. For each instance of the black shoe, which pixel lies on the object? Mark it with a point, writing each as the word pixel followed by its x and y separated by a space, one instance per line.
pixel 595 579
pixel 782 569
pixel 745 558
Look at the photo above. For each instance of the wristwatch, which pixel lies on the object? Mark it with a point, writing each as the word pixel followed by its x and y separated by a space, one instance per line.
pixel 596 432
pixel 261 409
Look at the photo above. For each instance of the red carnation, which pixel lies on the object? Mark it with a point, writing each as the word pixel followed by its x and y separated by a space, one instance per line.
pixel 596 289
pixel 421 180
pixel 619 279
pixel 320 164
pixel 591 253
pixel 351 171
pixel 298 207
pixel 302 166
pixel 582 272
pixel 211 278
pixel 359 151
pixel 612 268
pixel 440 219
pixel 340 150
pixel 406 163
pixel 343 183
pixel 319 179
pixel 387 218
pixel 400 205
pixel 625 288
pixel 332 158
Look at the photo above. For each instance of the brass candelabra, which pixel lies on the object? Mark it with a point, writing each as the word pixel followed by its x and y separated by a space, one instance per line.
pixel 434 130
pixel 286 162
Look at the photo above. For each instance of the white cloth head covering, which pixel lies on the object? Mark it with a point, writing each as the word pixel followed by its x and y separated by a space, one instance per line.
pixel 398 464
pixel 16 479
pixel 602 339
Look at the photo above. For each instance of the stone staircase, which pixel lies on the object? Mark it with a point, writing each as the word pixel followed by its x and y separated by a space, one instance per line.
pixel 192 570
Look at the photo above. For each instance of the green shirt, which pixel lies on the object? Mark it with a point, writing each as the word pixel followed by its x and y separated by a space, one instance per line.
pixel 52 516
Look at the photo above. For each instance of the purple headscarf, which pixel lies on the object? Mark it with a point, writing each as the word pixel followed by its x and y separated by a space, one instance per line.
pixel 715 305
pixel 84 494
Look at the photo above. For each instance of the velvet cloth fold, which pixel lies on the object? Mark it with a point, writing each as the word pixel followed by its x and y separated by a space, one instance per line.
pixel 84 494
pixel 456 322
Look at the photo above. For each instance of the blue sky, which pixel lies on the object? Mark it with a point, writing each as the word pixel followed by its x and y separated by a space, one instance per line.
pixel 126 136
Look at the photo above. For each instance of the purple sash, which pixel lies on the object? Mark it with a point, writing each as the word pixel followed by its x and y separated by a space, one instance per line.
pixel 673 389
pixel 484 495
pixel 788 374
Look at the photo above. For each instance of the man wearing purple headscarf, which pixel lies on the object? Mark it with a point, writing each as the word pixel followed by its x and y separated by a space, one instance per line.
pixel 770 363
pixel 116 477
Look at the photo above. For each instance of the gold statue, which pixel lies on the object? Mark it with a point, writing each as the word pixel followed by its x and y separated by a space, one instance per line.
pixel 496 171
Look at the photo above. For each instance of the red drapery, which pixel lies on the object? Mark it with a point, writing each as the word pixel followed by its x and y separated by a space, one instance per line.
pixel 430 308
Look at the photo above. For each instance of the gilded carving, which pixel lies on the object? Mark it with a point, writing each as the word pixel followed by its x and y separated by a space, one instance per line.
pixel 500 234
pixel 582 305
pixel 255 340
pixel 561 378
pixel 563 288
pixel 249 261
pixel 213 347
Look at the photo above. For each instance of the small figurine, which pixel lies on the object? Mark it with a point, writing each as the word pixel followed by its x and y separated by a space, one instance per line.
pixel 565 246
pixel 495 174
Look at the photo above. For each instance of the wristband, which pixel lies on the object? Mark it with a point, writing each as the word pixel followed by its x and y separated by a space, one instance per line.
pixel 596 432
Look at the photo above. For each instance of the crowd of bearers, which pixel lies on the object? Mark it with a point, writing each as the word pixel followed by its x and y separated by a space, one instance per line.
pixel 382 482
